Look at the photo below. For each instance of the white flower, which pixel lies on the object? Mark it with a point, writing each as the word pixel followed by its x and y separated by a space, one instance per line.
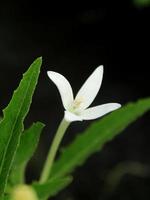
pixel 76 109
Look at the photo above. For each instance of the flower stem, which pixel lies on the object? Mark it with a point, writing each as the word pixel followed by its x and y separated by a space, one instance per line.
pixel 53 150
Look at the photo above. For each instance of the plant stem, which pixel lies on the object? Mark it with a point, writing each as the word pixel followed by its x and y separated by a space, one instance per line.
pixel 53 150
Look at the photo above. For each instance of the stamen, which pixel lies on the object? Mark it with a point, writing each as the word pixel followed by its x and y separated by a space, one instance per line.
pixel 77 102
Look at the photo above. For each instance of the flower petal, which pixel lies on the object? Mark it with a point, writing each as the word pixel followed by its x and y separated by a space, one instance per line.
pixel 71 117
pixel 64 88
pixel 90 88
pixel 98 111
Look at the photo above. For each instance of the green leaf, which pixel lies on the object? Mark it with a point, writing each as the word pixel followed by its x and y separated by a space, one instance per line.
pixel 51 187
pixel 94 138
pixel 28 143
pixel 11 125
pixel 5 198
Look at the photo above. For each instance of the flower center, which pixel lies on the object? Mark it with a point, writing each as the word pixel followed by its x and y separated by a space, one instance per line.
pixel 77 103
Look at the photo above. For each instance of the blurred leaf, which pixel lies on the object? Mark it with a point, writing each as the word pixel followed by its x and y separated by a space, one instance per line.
pixel 142 3
pixel 5 198
pixel 114 176
pixel 51 187
pixel 28 143
pixel 11 125
pixel 94 138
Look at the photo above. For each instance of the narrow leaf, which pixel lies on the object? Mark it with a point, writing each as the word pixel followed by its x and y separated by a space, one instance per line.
pixel 28 143
pixel 93 139
pixel 11 125
pixel 51 187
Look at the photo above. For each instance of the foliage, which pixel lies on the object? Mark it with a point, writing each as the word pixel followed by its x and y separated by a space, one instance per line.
pixel 17 146
pixel 11 126
pixel 94 138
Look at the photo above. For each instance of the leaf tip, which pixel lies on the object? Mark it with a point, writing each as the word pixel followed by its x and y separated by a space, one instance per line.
pixel 39 60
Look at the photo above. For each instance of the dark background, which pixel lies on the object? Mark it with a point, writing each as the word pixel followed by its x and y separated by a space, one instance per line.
pixel 74 40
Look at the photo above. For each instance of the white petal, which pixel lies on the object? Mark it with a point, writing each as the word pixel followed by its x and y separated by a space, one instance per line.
pixel 71 117
pixel 98 111
pixel 64 88
pixel 90 88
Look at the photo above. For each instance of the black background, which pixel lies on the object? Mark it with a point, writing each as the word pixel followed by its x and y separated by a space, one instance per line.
pixel 74 40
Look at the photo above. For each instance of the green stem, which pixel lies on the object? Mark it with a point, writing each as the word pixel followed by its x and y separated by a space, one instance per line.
pixel 53 150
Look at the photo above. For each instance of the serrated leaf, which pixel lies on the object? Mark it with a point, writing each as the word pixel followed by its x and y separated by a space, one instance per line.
pixel 11 125
pixel 52 187
pixel 28 143
pixel 93 139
